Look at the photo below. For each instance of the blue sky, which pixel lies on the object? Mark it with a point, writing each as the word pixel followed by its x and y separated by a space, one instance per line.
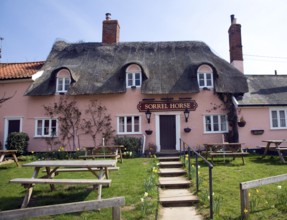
pixel 30 27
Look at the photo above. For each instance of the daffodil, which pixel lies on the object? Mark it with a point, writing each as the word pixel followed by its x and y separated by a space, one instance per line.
pixel 145 194
pixel 245 211
pixel 142 199
pixel 279 187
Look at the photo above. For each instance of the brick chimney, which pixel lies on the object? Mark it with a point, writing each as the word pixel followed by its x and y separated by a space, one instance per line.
pixel 235 45
pixel 111 30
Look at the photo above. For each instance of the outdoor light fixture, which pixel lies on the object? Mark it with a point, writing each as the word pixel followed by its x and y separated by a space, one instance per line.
pixel 186 114
pixel 148 115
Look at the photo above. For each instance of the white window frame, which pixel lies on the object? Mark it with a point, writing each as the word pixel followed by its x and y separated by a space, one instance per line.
pixel 220 127
pixel 205 75
pixel 125 117
pixel 281 122
pixel 42 128
pixel 133 70
pixel 65 84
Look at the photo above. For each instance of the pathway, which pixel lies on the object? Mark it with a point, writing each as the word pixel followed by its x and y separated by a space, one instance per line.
pixel 175 197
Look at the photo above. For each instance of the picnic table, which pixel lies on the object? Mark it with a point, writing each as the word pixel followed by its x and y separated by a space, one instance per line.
pixel 225 150
pixel 112 151
pixel 99 168
pixel 3 153
pixel 272 145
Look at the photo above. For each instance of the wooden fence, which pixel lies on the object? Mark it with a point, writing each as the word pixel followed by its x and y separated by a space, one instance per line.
pixel 115 203
pixel 244 186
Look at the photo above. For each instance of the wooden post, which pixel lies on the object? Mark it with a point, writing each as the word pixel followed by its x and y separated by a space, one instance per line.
pixel 116 212
pixel 245 208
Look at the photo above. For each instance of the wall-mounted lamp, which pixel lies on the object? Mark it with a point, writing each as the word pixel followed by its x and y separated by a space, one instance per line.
pixel 186 114
pixel 148 115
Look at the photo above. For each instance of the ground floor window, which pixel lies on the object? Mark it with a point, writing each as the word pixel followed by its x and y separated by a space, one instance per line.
pixel 278 118
pixel 215 123
pixel 46 127
pixel 128 124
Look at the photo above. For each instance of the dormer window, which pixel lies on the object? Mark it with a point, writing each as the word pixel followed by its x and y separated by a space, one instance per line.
pixel 63 81
pixel 205 77
pixel 133 76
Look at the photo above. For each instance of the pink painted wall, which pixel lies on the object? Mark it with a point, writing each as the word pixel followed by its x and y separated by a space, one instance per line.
pixel 125 104
pixel 258 119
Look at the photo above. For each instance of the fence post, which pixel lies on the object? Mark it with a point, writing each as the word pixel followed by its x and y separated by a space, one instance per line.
pixel 210 193
pixel 196 171
pixel 189 168
pixel 244 201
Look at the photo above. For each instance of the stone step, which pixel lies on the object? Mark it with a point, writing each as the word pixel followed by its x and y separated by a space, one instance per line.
pixel 182 213
pixel 170 164
pixel 167 153
pixel 171 172
pixel 177 197
pixel 178 182
pixel 175 158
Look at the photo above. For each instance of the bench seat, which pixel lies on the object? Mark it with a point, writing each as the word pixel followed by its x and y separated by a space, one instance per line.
pixel 60 181
pixel 228 154
pixel 81 169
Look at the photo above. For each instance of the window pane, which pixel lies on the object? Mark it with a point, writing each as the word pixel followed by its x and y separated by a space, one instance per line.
pixel 46 127
pixel 60 84
pixel 215 123
pixel 54 128
pixel 67 84
pixel 137 79
pixel 201 79
pixel 223 123
pixel 39 127
pixel 130 79
pixel 274 119
pixel 121 124
pixel 129 124
pixel 208 79
pixel 207 123
pixel 136 124
pixel 282 118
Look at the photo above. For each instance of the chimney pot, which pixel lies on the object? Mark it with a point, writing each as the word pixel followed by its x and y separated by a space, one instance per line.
pixel 108 16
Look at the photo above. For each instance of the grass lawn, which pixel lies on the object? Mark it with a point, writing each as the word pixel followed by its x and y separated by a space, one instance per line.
pixel 266 202
pixel 134 179
pixel 131 181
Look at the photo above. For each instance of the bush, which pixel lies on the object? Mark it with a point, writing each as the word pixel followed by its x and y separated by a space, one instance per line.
pixel 132 144
pixel 18 141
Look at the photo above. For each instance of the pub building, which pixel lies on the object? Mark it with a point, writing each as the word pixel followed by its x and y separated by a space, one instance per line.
pixel 159 91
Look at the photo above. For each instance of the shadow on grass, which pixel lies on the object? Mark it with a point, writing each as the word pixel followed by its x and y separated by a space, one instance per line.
pixel 269 159
pixel 47 197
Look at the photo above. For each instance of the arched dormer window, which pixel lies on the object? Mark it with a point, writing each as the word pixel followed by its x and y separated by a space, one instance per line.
pixel 63 81
pixel 133 76
pixel 205 76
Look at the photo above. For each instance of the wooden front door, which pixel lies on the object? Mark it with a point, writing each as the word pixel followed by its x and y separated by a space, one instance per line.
pixel 167 132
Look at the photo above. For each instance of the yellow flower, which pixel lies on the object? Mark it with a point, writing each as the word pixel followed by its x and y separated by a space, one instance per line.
pixel 245 211
pixel 257 190
pixel 145 194
pixel 279 187
pixel 142 199
pixel 249 194
pixel 32 151
pixel 78 149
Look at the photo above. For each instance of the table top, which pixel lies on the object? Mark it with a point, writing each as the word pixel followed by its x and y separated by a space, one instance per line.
pixel 274 141
pixel 8 151
pixel 72 163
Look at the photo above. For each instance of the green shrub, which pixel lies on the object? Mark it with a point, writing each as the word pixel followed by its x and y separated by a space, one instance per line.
pixel 18 141
pixel 132 144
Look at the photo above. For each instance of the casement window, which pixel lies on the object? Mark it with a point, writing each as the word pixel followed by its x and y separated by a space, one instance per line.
pixel 205 77
pixel 278 118
pixel 63 81
pixel 133 76
pixel 215 124
pixel 46 127
pixel 128 125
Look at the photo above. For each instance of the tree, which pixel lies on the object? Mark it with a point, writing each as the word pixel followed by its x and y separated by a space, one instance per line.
pixel 69 118
pixel 98 122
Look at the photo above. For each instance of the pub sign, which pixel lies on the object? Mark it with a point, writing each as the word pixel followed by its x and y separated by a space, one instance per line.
pixel 158 106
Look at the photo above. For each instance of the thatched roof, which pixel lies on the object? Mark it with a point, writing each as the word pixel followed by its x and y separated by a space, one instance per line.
pixel 168 68
pixel 265 90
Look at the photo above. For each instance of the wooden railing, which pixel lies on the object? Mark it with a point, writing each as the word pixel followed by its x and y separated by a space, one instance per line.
pixel 244 186
pixel 115 203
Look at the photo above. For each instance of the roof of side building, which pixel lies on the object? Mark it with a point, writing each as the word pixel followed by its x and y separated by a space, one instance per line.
pixel 19 70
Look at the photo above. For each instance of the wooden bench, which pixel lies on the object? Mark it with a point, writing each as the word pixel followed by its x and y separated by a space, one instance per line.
pixel 225 150
pixel 280 151
pixel 113 152
pixel 3 153
pixel 28 183
pixel 81 170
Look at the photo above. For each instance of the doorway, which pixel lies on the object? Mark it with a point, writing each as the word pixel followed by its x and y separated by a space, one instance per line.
pixel 11 125
pixel 167 127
